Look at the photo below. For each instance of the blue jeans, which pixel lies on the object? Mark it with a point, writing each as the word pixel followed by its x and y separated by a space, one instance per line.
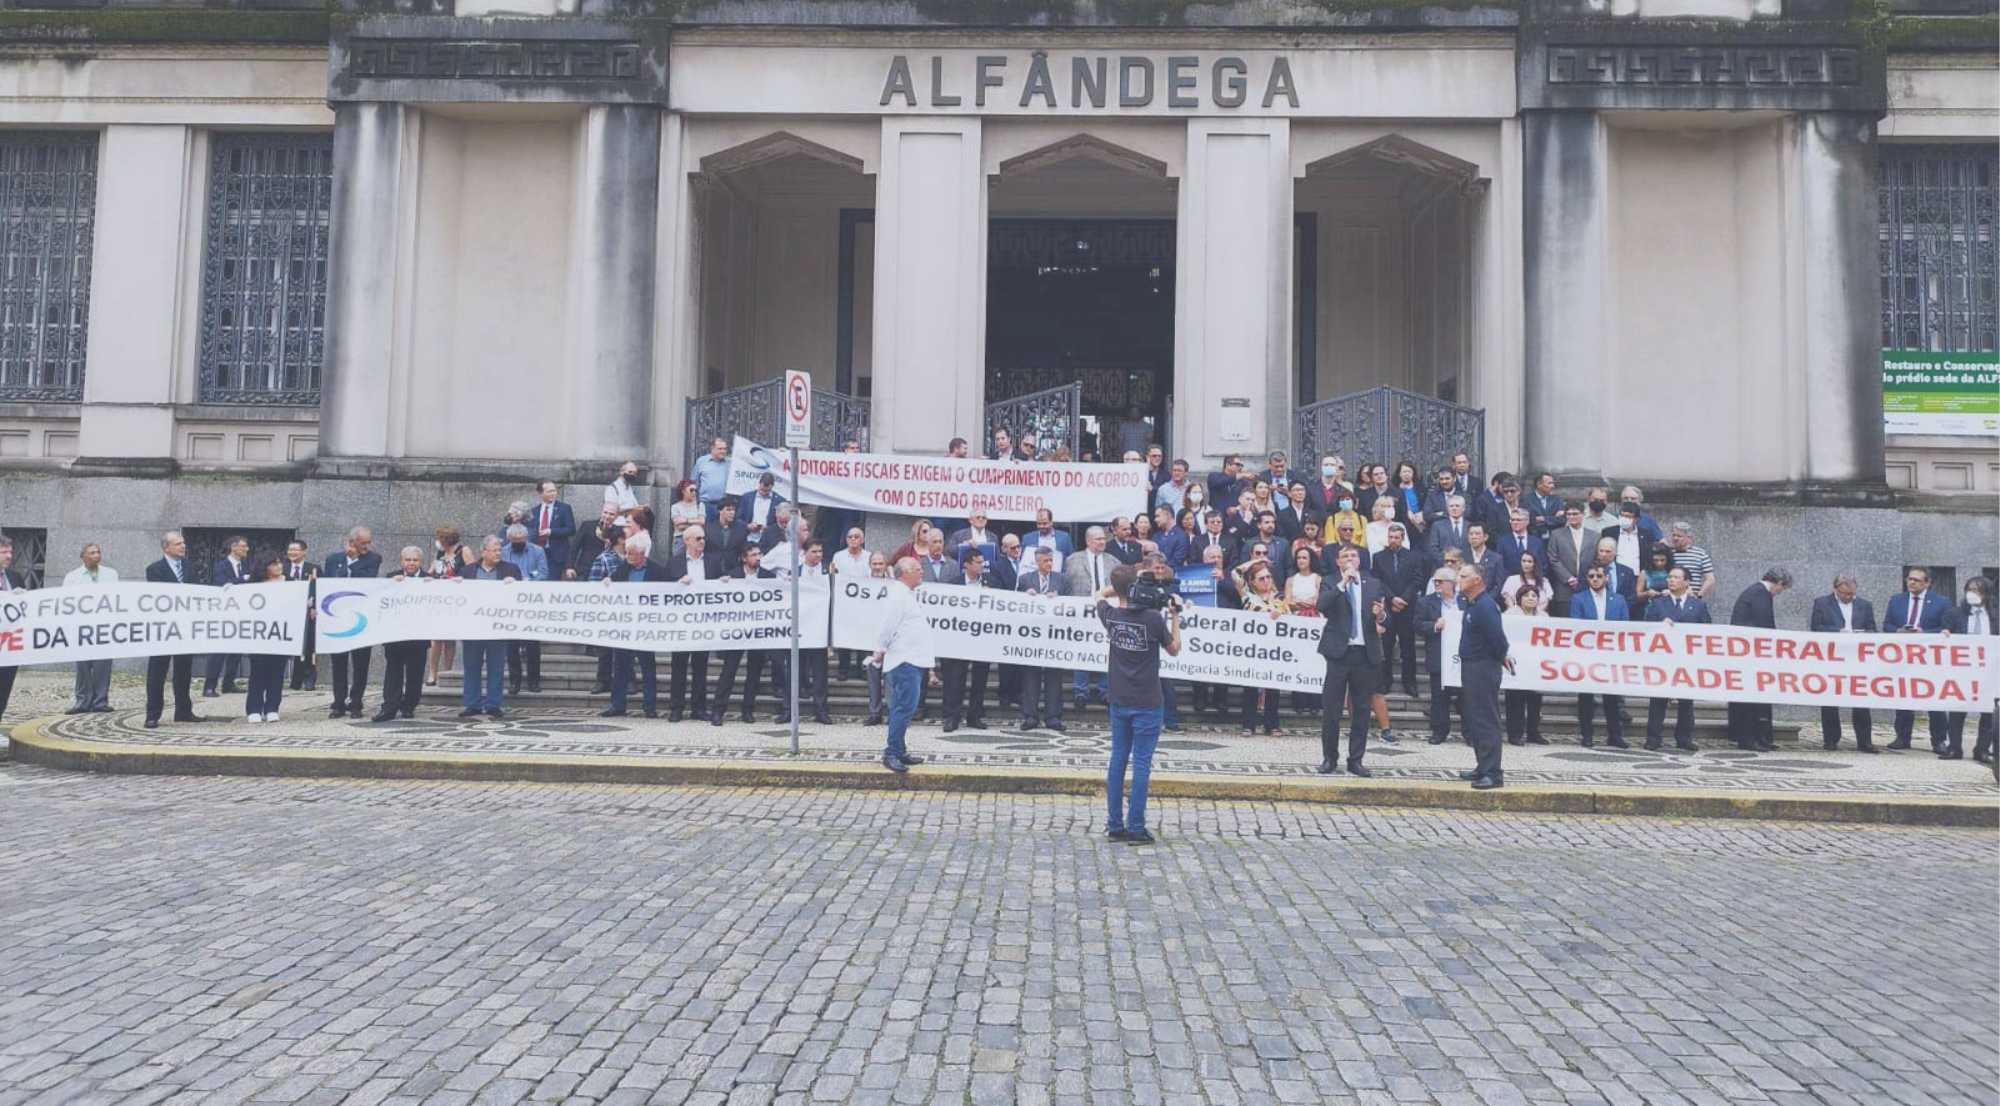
pixel 1170 710
pixel 905 682
pixel 1083 681
pixel 1134 733
pixel 485 665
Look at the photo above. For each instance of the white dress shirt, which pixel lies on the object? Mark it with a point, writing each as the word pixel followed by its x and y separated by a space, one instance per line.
pixel 81 577
pixel 905 636
pixel 1846 614
pixel 697 570
pixel 1601 600
pixel 1628 548
pixel 852 565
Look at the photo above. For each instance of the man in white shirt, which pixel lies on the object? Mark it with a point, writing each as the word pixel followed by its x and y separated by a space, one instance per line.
pixel 619 493
pixel 903 649
pixel 93 678
pixel 974 535
pixel 1843 611
pixel 851 563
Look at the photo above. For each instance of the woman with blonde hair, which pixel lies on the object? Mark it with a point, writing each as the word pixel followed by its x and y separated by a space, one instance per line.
pixel 1258 585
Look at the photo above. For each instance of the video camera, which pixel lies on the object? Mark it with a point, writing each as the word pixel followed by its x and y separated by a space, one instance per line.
pixel 1150 593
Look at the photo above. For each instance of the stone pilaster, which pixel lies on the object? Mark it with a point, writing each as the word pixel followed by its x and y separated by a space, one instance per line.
pixel 369 173
pixel 612 281
pixel 1565 171
pixel 1837 267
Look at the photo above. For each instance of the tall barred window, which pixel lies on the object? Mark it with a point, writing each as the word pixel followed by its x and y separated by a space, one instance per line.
pixel 264 273
pixel 1938 247
pixel 48 203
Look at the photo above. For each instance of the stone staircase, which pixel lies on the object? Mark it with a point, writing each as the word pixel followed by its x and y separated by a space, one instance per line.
pixel 568 673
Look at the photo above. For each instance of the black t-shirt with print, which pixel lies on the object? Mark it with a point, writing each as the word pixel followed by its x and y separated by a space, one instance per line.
pixel 1135 638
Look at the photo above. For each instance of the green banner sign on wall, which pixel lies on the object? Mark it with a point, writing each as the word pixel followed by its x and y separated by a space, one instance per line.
pixel 1941 393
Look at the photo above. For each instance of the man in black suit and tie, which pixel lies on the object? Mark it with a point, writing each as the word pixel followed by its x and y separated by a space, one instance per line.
pixel 1844 612
pixel 1351 641
pixel 350 669
pixel 231 569
pixel 1679 604
pixel 9 581
pixel 1041 688
pixel 305 666
pixel 171 568
pixel 965 680
pixel 694 564
pixel 1448 531
pixel 1401 571
pixel 750 566
pixel 552 525
pixel 1750 723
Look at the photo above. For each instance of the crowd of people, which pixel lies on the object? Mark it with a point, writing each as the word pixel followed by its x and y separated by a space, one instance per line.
pixel 1388 552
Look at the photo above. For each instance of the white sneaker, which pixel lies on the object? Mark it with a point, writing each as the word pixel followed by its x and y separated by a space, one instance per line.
pixel 253 718
pixel 271 717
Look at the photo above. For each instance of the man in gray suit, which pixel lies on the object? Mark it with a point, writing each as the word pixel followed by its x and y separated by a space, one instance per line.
pixel 1571 548
pixel 1089 569
pixel 938 568
pixel 1041 688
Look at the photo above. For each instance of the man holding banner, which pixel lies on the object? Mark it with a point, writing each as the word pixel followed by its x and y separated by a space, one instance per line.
pixel 640 568
pixel 171 568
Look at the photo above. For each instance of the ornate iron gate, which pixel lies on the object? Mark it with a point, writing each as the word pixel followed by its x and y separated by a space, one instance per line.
pixel 1052 417
pixel 1390 425
pixel 756 411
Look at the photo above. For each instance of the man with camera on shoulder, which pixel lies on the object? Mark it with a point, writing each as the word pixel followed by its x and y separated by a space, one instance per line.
pixel 1138 623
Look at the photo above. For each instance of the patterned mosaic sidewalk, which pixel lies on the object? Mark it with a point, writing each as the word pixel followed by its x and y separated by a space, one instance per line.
pixel 571 733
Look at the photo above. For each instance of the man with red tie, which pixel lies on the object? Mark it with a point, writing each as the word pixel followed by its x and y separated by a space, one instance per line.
pixel 552 525
pixel 1917 610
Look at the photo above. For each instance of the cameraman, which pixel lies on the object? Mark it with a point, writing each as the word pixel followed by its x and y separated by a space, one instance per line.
pixel 1166 590
pixel 1135 637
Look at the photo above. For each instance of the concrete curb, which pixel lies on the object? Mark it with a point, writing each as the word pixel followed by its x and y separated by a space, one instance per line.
pixel 32 744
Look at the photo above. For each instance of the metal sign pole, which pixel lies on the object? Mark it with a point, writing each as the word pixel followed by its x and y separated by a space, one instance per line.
pixel 792 536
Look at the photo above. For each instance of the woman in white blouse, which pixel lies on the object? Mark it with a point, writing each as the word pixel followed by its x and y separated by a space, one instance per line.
pixel 1529 576
pixel 1524 708
pixel 1378 527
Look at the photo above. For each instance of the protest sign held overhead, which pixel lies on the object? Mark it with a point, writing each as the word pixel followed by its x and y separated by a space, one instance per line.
pixel 888 483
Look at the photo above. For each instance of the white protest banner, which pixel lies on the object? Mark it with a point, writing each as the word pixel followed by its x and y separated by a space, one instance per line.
pixel 955 487
pixel 1006 627
pixel 1745 664
pixel 135 619
pixel 663 618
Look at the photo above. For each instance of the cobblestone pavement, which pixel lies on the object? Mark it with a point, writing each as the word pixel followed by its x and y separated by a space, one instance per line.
pixel 221 941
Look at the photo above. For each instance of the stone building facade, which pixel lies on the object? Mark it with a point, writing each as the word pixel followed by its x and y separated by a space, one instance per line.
pixel 276 268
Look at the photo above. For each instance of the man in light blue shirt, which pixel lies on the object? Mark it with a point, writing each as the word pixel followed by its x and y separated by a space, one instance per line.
pixel 711 476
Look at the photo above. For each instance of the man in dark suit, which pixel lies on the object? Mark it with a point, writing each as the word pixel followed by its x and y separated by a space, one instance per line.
pixel 812 662
pixel 1344 538
pixel 639 567
pixel 233 568
pixel 10 580
pixel 350 670
pixel 694 564
pixel 1571 549
pixel 1976 617
pixel 1546 509
pixel 1679 605
pixel 938 567
pixel 756 510
pixel 305 666
pixel 1841 611
pixel 727 535
pixel 1431 611
pixel 965 680
pixel 1402 574
pixel 1482 654
pixel 1004 574
pixel 1622 581
pixel 1917 610
pixel 588 545
pixel 1750 723
pixel 1516 540
pixel 1041 688
pixel 171 568
pixel 750 566
pixel 1224 484
pixel 1461 473
pixel 403 661
pixel 1355 606
pixel 1597 602
pixel 552 525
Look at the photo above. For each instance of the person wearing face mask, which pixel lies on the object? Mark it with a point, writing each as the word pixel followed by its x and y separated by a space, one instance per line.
pixel 1326 492
pixel 1598 517
pixel 1974 616
pixel 1344 511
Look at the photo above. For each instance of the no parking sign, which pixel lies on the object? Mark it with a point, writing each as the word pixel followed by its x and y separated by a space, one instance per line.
pixel 798 409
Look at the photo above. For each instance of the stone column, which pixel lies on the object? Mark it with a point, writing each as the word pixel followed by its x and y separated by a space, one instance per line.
pixel 369 172
pixel 1838 274
pixel 142 235
pixel 611 301
pixel 1565 171
pixel 930 285
pixel 1233 383
pixel 677 318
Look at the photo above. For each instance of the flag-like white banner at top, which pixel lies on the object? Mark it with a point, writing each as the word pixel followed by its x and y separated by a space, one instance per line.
pixel 1746 664
pixel 660 618
pixel 136 619
pixel 1010 627
pixel 899 484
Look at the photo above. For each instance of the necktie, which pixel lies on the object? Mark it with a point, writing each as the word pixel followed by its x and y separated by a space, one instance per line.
pixel 1916 604
pixel 178 578
pixel 1096 579
pixel 545 516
